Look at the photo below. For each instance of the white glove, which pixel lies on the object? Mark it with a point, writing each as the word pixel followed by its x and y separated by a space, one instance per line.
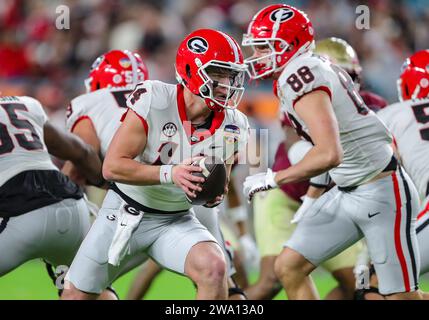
pixel 307 202
pixel 126 224
pixel 250 252
pixel 259 182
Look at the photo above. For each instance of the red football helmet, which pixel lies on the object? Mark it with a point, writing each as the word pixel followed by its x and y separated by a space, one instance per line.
pixel 413 83
pixel 205 50
pixel 285 30
pixel 116 68
pixel 419 59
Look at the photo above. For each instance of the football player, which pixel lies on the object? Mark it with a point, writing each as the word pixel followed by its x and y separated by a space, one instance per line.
pixel 149 161
pixel 273 212
pixel 42 212
pixel 338 51
pixel 408 121
pixel 95 117
pixel 372 191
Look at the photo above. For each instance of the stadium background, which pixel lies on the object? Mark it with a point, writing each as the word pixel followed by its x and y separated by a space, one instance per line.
pixel 38 60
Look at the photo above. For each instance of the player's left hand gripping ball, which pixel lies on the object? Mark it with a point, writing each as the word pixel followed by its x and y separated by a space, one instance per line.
pixel 259 182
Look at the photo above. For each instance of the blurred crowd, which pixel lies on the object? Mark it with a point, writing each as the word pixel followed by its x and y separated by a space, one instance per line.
pixel 39 60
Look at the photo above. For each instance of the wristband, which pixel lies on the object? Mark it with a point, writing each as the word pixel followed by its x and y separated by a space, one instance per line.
pixel 166 174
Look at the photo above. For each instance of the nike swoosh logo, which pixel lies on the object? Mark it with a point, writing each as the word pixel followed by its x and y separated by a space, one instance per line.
pixel 372 215
pixel 215 147
pixel 123 225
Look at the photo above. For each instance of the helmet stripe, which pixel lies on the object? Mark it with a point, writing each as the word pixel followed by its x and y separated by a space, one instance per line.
pixel 133 65
pixel 233 45
pixel 416 92
pixel 276 26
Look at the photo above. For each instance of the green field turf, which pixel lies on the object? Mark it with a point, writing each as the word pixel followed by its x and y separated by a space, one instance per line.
pixel 31 281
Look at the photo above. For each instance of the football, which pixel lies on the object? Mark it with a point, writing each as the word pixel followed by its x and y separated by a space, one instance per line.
pixel 214 171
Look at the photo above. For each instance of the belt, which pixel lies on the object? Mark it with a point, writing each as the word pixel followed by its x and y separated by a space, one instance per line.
pixel 393 164
pixel 138 205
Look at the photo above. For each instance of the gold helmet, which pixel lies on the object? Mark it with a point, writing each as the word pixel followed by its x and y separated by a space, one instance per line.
pixel 338 51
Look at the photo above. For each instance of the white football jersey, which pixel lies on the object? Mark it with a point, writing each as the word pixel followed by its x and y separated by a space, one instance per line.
pixel 364 138
pixel 171 139
pixel 104 108
pixel 22 147
pixel 408 121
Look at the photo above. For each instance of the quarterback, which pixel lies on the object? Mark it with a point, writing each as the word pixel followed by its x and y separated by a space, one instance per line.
pixel 147 208
pixel 95 117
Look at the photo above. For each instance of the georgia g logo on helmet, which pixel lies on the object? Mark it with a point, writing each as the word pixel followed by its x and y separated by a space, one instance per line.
pixel 283 14
pixel 198 45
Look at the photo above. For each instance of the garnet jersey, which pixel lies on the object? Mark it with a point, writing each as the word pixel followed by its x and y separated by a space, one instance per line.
pixel 364 138
pixel 408 121
pixel 22 147
pixel 172 139
pixel 281 162
pixel 104 108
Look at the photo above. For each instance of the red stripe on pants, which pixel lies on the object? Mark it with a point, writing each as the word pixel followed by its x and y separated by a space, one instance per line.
pixel 421 214
pixel 398 245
